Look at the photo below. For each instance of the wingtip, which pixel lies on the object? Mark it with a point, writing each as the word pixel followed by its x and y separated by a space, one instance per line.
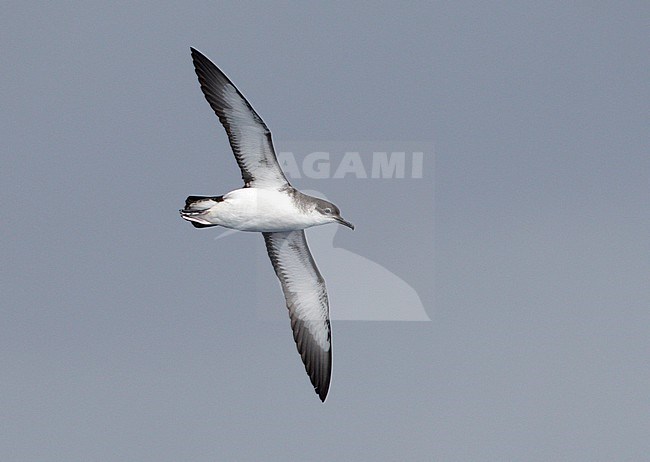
pixel 322 389
pixel 322 396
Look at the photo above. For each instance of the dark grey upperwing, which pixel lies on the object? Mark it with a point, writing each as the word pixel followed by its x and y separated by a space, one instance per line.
pixel 249 136
pixel 306 297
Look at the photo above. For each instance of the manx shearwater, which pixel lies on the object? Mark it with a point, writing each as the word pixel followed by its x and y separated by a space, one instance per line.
pixel 269 204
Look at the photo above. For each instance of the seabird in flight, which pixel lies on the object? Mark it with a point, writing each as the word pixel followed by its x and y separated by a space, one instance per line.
pixel 269 204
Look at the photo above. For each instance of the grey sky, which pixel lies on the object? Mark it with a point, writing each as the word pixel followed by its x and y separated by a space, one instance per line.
pixel 127 335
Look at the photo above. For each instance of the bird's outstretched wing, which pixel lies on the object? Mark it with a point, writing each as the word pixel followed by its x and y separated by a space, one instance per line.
pixel 306 297
pixel 249 136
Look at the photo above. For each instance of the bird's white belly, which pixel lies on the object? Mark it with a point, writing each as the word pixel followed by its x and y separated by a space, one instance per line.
pixel 252 209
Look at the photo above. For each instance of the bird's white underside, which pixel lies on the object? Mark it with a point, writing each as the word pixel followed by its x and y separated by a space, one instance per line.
pixel 262 210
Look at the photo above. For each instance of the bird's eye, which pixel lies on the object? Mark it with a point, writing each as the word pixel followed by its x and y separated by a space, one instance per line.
pixel 327 210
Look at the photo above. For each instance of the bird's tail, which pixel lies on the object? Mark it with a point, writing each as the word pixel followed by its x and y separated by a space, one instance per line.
pixel 195 206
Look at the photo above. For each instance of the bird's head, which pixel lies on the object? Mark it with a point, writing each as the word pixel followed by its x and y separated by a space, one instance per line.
pixel 330 213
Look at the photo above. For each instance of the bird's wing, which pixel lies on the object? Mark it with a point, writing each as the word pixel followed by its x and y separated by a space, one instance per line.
pixel 249 136
pixel 306 297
